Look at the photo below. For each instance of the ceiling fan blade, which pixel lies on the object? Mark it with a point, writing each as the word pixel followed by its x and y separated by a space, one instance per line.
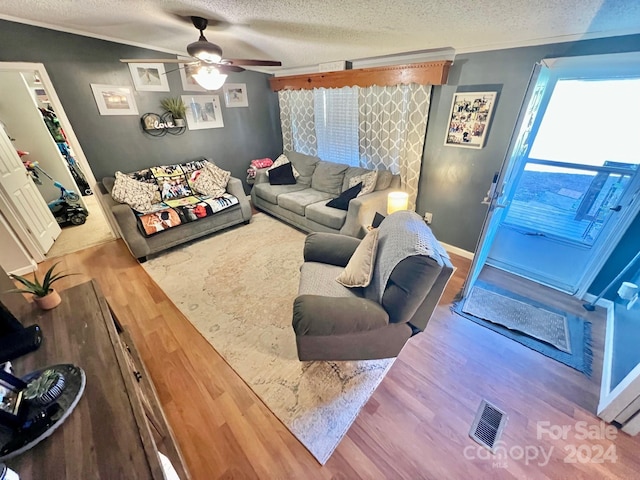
pixel 262 63
pixel 229 68
pixel 158 60
pixel 175 69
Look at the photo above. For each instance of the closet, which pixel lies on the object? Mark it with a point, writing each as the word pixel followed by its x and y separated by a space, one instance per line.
pixel 33 123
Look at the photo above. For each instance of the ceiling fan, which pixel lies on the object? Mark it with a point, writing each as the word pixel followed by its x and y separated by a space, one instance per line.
pixel 208 56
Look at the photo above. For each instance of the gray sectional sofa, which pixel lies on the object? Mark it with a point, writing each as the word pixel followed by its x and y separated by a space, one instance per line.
pixel 303 205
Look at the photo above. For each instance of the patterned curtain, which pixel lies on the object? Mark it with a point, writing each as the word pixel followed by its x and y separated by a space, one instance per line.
pixel 393 124
pixel 297 119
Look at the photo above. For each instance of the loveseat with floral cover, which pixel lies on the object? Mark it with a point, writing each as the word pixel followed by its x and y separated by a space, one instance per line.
pixel 160 207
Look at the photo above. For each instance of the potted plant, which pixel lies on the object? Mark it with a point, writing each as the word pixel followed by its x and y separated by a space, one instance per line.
pixel 176 107
pixel 43 293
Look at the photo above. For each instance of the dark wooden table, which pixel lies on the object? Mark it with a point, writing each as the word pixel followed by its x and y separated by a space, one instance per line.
pixel 107 436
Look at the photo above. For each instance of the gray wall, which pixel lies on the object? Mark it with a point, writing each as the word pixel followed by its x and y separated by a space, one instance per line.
pixel 454 180
pixel 113 143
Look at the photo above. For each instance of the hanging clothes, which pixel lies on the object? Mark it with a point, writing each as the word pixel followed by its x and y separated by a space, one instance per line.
pixel 55 129
pixel 74 168
pixel 53 125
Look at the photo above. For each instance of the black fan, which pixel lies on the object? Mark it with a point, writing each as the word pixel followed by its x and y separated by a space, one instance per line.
pixel 203 52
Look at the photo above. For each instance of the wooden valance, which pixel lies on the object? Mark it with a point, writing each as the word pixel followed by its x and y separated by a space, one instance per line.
pixel 430 73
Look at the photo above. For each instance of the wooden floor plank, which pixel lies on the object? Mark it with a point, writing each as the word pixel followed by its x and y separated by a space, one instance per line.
pixel 416 424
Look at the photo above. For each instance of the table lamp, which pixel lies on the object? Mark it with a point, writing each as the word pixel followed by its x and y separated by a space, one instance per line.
pixel 397 201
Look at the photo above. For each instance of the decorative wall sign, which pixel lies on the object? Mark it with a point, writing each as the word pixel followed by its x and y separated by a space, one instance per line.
pixel 203 111
pixel 159 125
pixel 114 100
pixel 149 77
pixel 235 95
pixel 469 119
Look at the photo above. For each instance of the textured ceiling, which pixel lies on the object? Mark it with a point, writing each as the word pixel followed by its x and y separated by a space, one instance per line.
pixel 308 32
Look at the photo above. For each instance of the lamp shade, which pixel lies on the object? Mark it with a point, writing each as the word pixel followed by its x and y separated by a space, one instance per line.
pixel 397 201
pixel 209 78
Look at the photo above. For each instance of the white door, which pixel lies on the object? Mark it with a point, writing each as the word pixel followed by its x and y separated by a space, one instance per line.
pixel 577 183
pixel 604 206
pixel 497 197
pixel 22 196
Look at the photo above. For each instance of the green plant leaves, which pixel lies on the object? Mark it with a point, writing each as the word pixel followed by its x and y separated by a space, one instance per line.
pixel 37 288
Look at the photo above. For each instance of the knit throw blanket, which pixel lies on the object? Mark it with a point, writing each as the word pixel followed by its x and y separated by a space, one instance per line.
pixel 401 235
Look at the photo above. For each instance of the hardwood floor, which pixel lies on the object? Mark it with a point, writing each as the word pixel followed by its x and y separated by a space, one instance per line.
pixel 415 425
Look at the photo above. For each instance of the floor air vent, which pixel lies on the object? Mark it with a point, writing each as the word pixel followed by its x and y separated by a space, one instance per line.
pixel 488 425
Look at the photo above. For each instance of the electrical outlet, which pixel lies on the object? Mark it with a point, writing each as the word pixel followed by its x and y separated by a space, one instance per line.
pixel 428 217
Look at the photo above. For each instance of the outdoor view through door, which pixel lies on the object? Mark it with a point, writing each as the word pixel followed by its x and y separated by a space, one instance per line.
pixel 570 187
pixel 587 124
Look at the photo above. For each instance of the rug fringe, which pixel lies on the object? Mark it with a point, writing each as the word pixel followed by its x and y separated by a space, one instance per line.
pixel 588 350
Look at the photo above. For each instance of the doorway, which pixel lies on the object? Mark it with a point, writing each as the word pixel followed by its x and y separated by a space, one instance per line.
pixel 569 187
pixel 39 130
pixel 574 184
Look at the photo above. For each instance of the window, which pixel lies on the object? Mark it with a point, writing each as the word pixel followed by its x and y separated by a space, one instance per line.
pixel 336 121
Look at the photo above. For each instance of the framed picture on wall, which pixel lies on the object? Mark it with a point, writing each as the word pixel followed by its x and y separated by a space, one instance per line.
pixel 149 77
pixel 188 83
pixel 469 119
pixel 114 100
pixel 235 95
pixel 203 111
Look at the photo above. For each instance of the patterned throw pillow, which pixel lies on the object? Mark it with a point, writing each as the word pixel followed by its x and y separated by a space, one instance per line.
pixel 281 160
pixel 212 180
pixel 138 195
pixel 359 270
pixel 368 181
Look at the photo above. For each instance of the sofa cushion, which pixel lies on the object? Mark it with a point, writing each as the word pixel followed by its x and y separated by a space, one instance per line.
pixel 328 177
pixel 304 164
pixel 320 279
pixel 342 202
pixel 282 175
pixel 359 270
pixel 296 202
pixel 368 182
pixel 327 216
pixel 270 193
pixel 138 195
pixel 384 180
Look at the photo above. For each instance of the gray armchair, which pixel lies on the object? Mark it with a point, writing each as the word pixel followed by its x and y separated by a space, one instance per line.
pixel 332 322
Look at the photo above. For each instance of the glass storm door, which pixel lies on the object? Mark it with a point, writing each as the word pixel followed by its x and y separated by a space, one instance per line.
pixel 577 184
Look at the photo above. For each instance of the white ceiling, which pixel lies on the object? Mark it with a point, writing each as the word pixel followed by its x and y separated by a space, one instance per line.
pixel 308 32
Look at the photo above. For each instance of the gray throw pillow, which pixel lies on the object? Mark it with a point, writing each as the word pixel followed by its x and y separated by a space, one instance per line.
pixel 359 270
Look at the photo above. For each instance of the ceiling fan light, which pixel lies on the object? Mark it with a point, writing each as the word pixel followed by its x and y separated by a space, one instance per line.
pixel 205 51
pixel 210 78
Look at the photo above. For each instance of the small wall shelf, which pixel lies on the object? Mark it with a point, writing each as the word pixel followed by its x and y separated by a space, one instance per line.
pixel 159 125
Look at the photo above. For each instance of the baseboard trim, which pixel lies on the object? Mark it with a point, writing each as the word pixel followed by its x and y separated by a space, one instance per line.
pixel 24 270
pixel 457 251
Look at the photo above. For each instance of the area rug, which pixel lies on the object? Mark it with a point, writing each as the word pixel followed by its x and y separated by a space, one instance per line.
pixel 554 333
pixel 237 287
